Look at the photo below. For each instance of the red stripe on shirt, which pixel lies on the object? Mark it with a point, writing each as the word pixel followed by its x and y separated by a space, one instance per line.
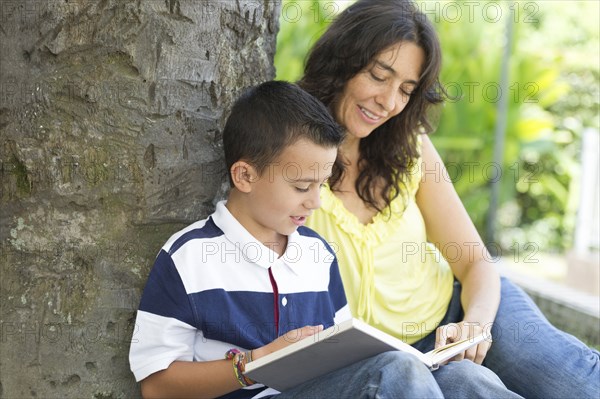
pixel 275 301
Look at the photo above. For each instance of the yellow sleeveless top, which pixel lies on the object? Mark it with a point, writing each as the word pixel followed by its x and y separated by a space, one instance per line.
pixel 394 279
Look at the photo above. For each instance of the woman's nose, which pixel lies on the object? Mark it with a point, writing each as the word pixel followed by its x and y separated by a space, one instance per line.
pixel 387 99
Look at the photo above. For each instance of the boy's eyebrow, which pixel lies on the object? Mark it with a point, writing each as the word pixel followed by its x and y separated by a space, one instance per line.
pixel 305 180
pixel 389 68
pixel 310 180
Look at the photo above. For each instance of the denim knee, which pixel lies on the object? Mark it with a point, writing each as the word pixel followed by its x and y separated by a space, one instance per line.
pixel 398 374
pixel 402 365
pixel 466 379
pixel 475 372
pixel 399 358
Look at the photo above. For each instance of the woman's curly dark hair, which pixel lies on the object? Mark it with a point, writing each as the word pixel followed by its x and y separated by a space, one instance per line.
pixel 351 44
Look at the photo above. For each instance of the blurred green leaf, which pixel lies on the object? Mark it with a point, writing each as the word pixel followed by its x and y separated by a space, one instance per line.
pixel 553 93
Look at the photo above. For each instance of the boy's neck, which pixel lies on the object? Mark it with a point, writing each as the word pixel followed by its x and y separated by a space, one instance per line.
pixel 274 241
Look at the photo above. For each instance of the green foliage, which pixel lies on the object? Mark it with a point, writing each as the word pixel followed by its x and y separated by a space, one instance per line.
pixel 552 95
pixel 539 172
pixel 302 23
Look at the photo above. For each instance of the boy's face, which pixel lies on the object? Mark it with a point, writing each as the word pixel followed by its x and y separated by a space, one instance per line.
pixel 287 191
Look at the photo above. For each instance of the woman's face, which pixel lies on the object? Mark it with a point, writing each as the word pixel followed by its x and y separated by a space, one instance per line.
pixel 381 90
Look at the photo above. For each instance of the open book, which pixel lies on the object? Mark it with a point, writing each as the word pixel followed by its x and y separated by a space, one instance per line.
pixel 337 347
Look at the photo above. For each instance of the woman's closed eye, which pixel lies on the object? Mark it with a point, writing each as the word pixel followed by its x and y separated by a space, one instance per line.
pixel 302 189
pixel 407 90
pixel 375 77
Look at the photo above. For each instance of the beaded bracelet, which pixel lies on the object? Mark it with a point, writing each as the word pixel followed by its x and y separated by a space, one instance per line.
pixel 239 364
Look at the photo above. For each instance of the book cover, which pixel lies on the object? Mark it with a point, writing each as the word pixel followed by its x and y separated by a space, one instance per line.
pixel 337 347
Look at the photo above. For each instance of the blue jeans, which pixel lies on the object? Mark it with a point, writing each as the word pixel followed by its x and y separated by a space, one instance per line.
pixel 398 375
pixel 531 356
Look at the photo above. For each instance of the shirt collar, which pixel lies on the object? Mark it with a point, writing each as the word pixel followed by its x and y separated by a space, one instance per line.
pixel 295 253
pixel 253 250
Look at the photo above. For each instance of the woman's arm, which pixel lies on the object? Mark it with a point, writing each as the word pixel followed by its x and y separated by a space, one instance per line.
pixel 210 379
pixel 452 231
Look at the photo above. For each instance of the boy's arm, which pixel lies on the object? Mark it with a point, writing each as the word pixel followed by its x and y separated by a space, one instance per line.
pixel 189 379
pixel 163 347
pixel 212 378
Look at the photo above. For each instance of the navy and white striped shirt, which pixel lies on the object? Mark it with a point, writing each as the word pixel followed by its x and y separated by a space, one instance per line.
pixel 214 287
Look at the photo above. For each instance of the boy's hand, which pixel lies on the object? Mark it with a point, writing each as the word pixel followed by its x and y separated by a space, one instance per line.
pixel 288 338
pixel 458 331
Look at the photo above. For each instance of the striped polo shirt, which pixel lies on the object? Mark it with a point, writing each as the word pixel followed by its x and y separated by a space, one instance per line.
pixel 214 287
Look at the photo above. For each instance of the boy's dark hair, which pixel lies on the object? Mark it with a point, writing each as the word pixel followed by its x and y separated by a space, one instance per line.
pixel 272 116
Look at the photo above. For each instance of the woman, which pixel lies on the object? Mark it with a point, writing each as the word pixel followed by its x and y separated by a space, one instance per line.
pixel 377 69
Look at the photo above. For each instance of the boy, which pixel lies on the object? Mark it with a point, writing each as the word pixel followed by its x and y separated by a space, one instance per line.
pixel 250 279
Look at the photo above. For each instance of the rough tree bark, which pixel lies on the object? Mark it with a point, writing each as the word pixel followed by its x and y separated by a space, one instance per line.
pixel 110 120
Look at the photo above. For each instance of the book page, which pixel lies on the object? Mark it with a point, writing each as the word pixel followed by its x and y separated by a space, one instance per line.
pixel 450 345
pixel 452 349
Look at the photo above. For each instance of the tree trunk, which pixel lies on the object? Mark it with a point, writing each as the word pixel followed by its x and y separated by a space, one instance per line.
pixel 110 141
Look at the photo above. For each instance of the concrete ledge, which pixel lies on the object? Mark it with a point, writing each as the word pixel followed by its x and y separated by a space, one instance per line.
pixel 583 272
pixel 571 310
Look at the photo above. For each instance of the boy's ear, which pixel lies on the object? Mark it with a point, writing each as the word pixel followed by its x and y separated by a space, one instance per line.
pixel 243 175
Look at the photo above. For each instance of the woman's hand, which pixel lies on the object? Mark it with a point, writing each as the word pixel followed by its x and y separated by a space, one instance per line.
pixel 454 332
pixel 286 339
